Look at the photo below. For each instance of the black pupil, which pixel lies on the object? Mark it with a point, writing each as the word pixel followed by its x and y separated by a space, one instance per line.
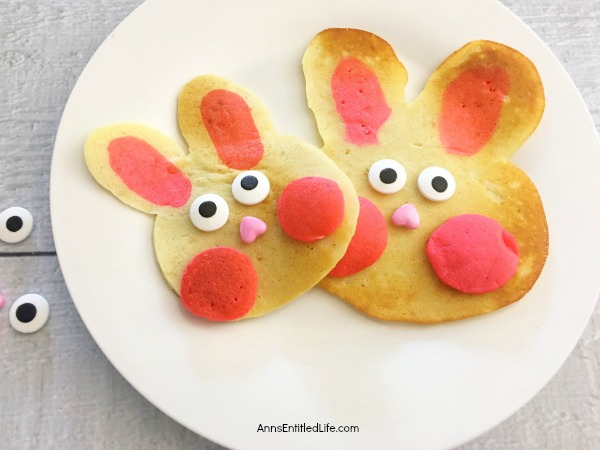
pixel 439 184
pixel 207 209
pixel 249 182
pixel 388 176
pixel 26 312
pixel 14 223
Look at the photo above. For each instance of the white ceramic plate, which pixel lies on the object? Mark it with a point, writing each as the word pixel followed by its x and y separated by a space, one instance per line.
pixel 317 360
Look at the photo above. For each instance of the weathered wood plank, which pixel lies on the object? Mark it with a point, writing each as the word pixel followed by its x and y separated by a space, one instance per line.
pixel 57 389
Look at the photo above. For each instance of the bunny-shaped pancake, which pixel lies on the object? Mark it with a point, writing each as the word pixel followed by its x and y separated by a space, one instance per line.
pixel 448 227
pixel 248 219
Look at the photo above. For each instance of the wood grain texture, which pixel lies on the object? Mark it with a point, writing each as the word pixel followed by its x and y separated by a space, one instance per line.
pixel 57 390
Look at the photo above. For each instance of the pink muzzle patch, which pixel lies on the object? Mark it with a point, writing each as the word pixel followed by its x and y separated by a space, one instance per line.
pixel 473 254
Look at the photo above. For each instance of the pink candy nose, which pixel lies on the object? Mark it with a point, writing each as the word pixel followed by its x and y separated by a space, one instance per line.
pixel 406 216
pixel 251 228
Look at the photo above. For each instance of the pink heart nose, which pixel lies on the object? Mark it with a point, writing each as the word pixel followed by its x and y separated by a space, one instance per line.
pixel 251 228
pixel 406 216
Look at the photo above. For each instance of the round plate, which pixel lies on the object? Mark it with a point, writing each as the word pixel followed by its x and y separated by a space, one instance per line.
pixel 316 361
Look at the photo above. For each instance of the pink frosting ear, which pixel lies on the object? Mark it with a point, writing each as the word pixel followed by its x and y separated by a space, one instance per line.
pixel 359 100
pixel 148 173
pixel 231 127
pixel 471 108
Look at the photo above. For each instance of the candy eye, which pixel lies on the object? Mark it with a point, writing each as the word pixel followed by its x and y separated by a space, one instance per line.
pixel 209 212
pixel 15 224
pixel 436 183
pixel 251 187
pixel 387 176
pixel 29 313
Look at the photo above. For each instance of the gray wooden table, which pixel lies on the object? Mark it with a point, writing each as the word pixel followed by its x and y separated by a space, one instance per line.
pixel 57 390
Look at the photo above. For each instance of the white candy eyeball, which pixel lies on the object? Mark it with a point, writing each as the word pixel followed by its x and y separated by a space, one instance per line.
pixel 436 183
pixel 29 313
pixel 15 225
pixel 209 212
pixel 250 187
pixel 387 176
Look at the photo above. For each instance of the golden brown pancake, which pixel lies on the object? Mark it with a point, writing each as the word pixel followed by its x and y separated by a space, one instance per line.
pixel 449 228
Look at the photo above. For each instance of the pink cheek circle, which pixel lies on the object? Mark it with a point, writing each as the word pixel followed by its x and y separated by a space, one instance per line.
pixel 219 284
pixel 473 254
pixel 310 208
pixel 367 244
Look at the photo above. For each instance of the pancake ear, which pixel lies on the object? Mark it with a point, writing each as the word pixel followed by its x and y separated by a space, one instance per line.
pixel 224 122
pixel 139 165
pixel 359 101
pixel 353 83
pixel 231 128
pixel 488 97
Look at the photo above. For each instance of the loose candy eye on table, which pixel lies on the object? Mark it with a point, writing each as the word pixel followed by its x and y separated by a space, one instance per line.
pixel 16 224
pixel 29 313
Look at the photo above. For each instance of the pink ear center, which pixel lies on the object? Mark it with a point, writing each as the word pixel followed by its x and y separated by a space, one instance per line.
pixel 359 100
pixel 471 108
pixel 231 127
pixel 148 173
